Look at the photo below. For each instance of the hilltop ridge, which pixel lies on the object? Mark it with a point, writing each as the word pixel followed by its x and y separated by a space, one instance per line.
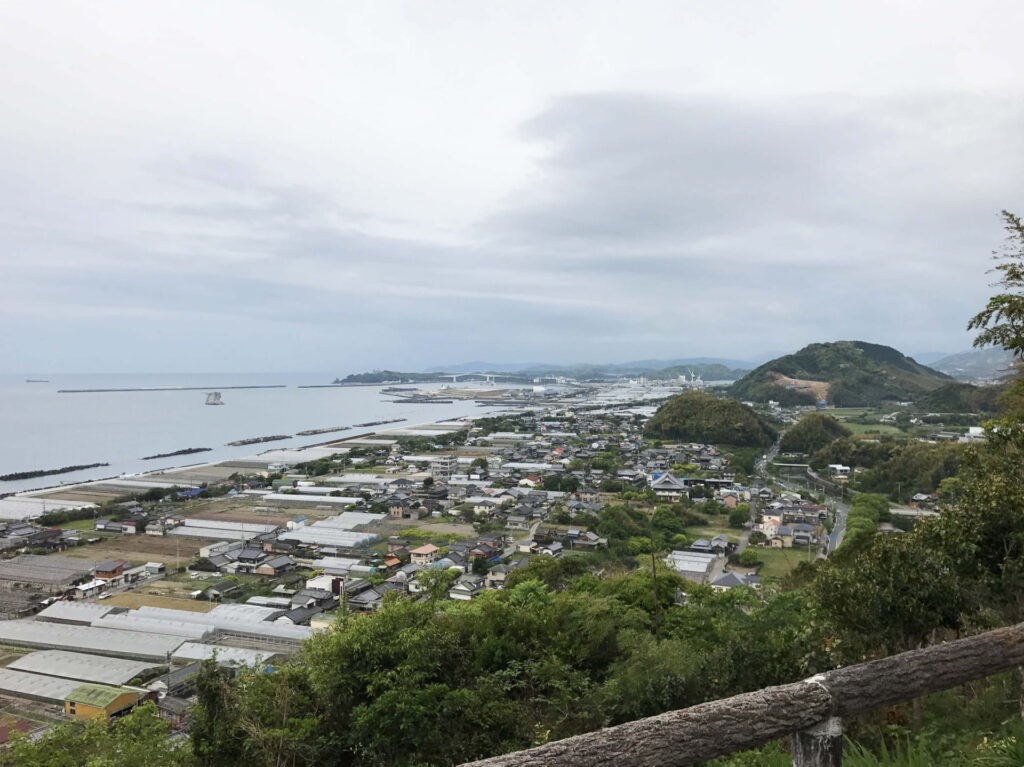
pixel 842 373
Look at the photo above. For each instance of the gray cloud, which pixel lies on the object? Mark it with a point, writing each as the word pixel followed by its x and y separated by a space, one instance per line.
pixel 620 220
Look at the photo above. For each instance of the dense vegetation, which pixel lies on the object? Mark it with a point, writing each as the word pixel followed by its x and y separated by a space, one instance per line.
pixel 381 376
pixel 857 373
pixel 813 432
pixel 961 398
pixel 698 417
pixel 895 467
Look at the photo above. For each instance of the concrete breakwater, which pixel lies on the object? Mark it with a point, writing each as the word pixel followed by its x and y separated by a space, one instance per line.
pixel 258 440
pixel 47 472
pixel 326 430
pixel 186 451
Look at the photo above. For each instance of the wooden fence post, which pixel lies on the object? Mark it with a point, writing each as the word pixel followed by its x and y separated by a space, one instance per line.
pixel 820 745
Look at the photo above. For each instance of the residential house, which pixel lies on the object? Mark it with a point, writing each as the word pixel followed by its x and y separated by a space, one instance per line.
pixel 275 565
pixel 424 555
pixel 729 580
pixel 466 587
pixel 217 591
pixel 782 539
pixel 668 487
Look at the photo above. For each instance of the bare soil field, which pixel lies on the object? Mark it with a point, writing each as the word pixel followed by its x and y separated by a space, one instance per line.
pixel 256 517
pixel 196 474
pixel 79 495
pixel 388 527
pixel 139 599
pixel 235 510
pixel 140 548
pixel 35 713
pixel 818 388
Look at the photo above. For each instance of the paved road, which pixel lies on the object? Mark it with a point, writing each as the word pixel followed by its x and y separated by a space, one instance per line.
pixel 839 529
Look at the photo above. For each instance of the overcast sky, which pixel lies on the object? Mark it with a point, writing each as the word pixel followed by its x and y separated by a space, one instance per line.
pixel 338 186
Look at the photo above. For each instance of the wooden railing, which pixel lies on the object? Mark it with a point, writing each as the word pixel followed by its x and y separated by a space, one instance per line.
pixel 811 711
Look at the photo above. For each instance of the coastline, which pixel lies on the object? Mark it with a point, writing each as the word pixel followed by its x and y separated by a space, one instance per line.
pixel 160 475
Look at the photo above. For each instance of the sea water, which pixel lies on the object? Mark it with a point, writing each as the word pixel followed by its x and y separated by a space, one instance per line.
pixel 43 429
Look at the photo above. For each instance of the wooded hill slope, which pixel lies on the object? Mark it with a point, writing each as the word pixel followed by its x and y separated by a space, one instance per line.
pixel 844 373
pixel 698 417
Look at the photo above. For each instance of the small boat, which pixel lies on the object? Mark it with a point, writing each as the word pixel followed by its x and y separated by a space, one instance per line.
pixel 213 398
pixel 35 380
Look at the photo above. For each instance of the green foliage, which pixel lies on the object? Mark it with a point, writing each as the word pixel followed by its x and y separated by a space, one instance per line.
pixel 813 432
pixel 418 683
pixel 432 443
pixel 898 468
pixel 904 753
pixel 565 484
pixel 886 597
pixel 698 417
pixel 749 557
pixel 520 424
pixel 858 374
pixel 962 398
pixel 322 466
pixel 1001 322
pixel 138 738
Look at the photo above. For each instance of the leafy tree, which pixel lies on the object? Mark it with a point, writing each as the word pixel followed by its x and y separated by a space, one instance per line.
pixel 888 598
pixel 813 432
pixel 749 557
pixel 1001 322
pixel 739 517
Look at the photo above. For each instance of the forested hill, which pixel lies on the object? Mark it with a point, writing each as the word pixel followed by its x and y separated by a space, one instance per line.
pixel 843 373
pixel 698 417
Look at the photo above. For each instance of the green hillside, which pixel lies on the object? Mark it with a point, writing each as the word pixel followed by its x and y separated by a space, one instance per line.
pixel 698 417
pixel 962 398
pixel 844 373
pixel 813 432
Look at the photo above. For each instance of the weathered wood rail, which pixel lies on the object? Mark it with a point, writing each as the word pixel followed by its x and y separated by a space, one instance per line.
pixel 811 711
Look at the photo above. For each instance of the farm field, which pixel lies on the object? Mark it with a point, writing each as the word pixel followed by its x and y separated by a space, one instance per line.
pixel 872 428
pixel 136 599
pixel 139 549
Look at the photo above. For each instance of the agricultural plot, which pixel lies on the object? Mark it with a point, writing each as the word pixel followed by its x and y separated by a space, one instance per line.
pixel 139 549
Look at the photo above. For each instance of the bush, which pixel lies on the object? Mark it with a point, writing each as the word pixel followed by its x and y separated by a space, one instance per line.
pixel 749 558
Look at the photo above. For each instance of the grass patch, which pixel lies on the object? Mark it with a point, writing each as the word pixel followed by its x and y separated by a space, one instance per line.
pixel 80 524
pixel 779 562
pixel 712 529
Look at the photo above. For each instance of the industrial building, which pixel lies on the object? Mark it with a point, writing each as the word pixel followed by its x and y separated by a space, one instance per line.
pixel 101 641
pixel 82 667
pixel 91 701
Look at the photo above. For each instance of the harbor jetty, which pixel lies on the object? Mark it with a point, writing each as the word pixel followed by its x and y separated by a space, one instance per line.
pixel 168 388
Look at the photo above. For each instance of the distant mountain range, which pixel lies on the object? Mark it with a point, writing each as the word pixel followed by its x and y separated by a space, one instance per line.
pixel 977 365
pixel 842 373
pixel 584 370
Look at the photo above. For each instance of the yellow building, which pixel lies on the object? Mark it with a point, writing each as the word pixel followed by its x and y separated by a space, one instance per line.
pixel 99 700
